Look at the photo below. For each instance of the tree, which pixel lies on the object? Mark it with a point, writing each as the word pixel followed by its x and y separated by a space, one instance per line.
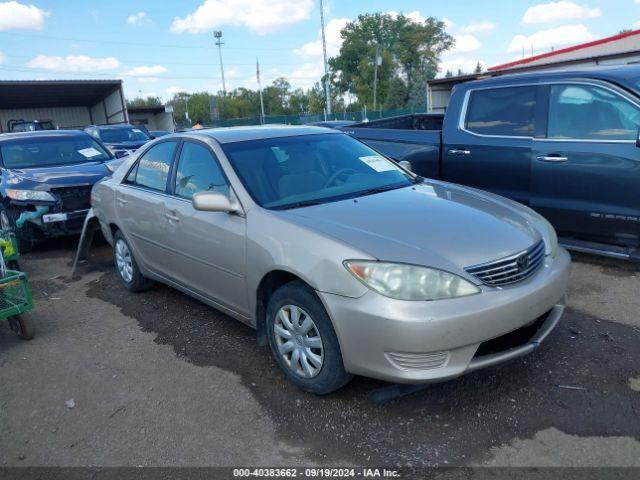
pixel 478 69
pixel 410 53
pixel 144 102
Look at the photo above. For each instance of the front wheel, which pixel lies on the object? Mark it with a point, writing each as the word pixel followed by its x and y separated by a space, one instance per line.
pixel 127 266
pixel 303 341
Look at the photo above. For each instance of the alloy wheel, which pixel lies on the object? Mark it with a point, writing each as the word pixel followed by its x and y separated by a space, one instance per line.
pixel 124 262
pixel 298 341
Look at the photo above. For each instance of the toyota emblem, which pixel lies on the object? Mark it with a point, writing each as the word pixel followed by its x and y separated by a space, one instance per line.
pixel 523 262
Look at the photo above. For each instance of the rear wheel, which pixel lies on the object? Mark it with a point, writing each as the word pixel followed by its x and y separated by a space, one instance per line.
pixel 127 267
pixel 303 341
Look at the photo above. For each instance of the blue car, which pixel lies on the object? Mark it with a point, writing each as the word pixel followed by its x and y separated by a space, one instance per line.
pixel 45 182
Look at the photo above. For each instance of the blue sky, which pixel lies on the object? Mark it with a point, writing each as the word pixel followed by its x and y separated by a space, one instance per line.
pixel 162 47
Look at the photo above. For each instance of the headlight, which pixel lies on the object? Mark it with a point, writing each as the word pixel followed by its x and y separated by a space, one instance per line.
pixel 409 282
pixel 26 195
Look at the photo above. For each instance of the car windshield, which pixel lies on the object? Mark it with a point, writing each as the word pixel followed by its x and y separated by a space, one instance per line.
pixel 123 134
pixel 289 172
pixel 31 152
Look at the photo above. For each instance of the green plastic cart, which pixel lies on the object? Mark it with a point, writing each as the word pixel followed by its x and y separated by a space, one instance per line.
pixel 15 295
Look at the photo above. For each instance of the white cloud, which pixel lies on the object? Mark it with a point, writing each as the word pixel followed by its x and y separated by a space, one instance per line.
pixel 138 18
pixel 172 91
pixel 553 37
pixel 475 27
pixel 146 71
pixel 259 16
pixel 449 24
pixel 73 63
pixel 559 12
pixel 2 57
pixel 465 43
pixel 454 64
pixel 333 38
pixel 636 24
pixel 18 15
pixel 146 94
pixel 415 16
pixel 306 75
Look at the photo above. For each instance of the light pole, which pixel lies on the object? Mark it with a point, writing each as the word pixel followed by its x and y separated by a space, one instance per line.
pixel 218 36
pixel 378 62
pixel 327 93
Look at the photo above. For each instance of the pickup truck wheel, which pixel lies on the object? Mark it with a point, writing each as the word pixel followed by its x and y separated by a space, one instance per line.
pixel 24 235
pixel 127 267
pixel 303 341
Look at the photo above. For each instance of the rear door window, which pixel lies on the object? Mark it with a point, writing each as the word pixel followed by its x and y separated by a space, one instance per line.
pixel 152 170
pixel 507 111
pixel 585 112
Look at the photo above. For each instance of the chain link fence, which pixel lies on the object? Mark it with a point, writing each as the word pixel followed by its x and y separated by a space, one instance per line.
pixel 357 116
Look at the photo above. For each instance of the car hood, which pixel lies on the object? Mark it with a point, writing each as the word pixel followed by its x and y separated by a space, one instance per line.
pixel 436 224
pixel 125 145
pixel 44 178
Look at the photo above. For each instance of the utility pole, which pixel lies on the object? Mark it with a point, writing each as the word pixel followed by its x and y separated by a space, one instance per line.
pixel 378 62
pixel 327 93
pixel 218 36
pixel 260 91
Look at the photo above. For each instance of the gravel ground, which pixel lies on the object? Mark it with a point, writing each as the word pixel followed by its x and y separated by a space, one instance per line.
pixel 161 379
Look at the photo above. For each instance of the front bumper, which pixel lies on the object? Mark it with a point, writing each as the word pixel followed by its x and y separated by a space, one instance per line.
pixel 420 342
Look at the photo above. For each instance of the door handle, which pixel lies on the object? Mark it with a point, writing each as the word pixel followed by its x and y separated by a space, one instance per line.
pixel 122 201
pixel 173 218
pixel 459 151
pixel 552 158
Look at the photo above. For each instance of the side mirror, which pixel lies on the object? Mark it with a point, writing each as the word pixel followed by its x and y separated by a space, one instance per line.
pixel 406 165
pixel 121 153
pixel 214 202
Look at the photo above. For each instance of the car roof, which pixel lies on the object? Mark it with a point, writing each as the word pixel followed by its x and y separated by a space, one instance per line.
pixel 257 132
pixel 616 74
pixel 42 134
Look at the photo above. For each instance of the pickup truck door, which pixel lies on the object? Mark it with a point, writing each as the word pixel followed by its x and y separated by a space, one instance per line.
pixel 490 145
pixel 586 171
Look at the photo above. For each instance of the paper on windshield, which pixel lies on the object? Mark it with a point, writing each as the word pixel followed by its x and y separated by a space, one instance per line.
pixel 89 152
pixel 378 163
pixel 137 130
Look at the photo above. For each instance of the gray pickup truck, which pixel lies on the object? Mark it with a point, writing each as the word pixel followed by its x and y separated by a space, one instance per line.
pixel 563 143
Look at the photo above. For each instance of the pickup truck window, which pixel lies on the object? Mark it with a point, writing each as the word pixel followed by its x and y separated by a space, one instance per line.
pixel 584 112
pixel 506 111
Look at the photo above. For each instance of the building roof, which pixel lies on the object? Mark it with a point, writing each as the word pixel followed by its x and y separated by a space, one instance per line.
pixel 54 93
pixel 574 48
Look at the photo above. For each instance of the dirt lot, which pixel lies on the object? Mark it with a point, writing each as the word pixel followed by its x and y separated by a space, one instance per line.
pixel 160 379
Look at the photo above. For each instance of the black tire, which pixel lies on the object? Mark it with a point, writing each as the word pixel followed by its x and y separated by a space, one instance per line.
pixel 137 282
pixel 331 375
pixel 23 325
pixel 25 236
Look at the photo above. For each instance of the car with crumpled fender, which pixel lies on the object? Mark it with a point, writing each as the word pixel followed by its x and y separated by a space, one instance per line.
pixel 344 262
pixel 45 182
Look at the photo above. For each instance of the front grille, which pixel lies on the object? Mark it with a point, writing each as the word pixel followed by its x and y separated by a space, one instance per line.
pixel 74 198
pixel 512 269
pixel 418 361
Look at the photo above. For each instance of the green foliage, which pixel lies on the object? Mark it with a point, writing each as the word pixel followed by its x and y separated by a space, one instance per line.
pixel 144 102
pixel 410 52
